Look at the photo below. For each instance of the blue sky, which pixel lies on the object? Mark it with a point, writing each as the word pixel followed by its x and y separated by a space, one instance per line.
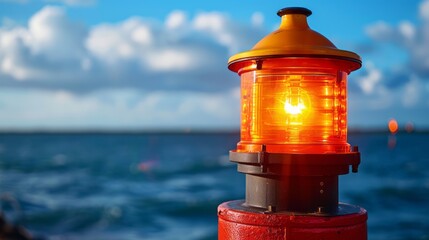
pixel 106 64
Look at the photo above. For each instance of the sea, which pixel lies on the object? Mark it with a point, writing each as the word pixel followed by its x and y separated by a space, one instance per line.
pixel 90 186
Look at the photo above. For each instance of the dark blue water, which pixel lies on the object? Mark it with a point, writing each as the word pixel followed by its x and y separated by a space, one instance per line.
pixel 168 186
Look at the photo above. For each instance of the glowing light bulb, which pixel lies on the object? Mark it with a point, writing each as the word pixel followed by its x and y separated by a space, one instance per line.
pixel 294 109
pixel 296 102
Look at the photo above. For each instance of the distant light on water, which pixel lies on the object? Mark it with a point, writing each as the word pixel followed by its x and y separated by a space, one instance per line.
pixel 409 127
pixel 393 126
pixel 393 129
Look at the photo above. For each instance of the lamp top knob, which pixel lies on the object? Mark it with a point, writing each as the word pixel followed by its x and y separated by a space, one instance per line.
pixel 294 10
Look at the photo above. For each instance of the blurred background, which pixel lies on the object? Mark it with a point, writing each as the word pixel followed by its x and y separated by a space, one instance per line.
pixel 116 117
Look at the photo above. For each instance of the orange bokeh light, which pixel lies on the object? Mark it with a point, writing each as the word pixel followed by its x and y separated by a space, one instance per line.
pixel 409 127
pixel 393 126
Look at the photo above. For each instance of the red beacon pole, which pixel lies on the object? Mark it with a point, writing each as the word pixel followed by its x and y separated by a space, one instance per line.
pixel 293 141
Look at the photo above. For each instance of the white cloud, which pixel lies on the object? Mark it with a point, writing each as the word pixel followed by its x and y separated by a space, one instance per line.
pixel 257 19
pixel 411 94
pixel 392 85
pixel 404 82
pixel 56 73
pixel 50 48
pixel 369 82
pixel 54 52
pixel 414 39
pixel 236 37
pixel 176 19
pixel 52 35
pixel 113 43
pixel 142 73
pixel 119 109
pixel 407 30
pixel 137 41
pixel 380 31
pixel 424 10
pixel 171 59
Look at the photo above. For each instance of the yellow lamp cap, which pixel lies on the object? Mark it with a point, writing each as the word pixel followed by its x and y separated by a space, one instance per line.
pixel 294 38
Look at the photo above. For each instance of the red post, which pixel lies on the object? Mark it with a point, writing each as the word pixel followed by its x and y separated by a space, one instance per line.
pixel 236 223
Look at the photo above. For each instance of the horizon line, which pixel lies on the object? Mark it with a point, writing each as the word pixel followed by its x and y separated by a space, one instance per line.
pixel 352 130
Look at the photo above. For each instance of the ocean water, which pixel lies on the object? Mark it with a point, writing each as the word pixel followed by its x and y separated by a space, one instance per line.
pixel 168 186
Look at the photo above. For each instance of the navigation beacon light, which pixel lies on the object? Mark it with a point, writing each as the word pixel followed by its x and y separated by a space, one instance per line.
pixel 293 139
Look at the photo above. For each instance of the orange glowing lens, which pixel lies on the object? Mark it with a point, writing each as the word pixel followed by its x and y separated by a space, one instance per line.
pixel 294 105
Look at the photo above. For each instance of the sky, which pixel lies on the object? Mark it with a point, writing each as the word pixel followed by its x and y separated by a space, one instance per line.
pixel 162 65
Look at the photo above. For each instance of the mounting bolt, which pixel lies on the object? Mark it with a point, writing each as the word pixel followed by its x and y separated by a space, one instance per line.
pixel 271 209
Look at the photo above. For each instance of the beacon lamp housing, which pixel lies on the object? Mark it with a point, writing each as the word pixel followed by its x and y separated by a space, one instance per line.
pixel 293 140
pixel 294 90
